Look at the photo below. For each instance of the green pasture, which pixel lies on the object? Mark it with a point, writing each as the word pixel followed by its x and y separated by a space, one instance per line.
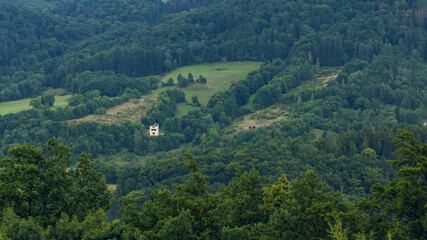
pixel 24 104
pixel 61 101
pixel 219 77
pixel 14 106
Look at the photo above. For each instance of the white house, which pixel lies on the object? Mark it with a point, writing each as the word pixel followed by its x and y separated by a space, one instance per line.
pixel 154 130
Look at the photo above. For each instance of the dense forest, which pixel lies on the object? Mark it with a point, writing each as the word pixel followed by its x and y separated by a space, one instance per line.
pixel 302 208
pixel 363 177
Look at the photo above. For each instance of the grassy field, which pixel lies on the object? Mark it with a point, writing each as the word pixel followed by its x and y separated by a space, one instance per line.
pixel 24 104
pixel 219 77
pixel 14 106
pixel 61 101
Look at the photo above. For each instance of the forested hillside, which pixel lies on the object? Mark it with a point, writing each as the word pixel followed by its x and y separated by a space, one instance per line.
pixel 338 151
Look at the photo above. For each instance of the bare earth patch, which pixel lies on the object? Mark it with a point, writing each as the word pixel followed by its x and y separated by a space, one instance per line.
pixel 112 187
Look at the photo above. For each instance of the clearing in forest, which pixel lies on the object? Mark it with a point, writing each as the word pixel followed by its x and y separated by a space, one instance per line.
pixel 131 110
pixel 278 112
pixel 219 77
pixel 15 106
pixel 24 104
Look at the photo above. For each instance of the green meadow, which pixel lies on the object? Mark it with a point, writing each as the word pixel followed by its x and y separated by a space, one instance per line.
pixel 24 104
pixel 219 77
pixel 14 106
pixel 61 101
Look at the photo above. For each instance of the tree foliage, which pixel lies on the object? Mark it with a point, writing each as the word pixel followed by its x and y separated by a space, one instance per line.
pixel 44 188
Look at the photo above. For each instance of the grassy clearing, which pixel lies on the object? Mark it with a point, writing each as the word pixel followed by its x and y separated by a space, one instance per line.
pixel 15 106
pixel 184 108
pixel 321 79
pixel 219 77
pixel 317 132
pixel 263 117
pixel 278 112
pixel 131 110
pixel 24 104
pixel 61 101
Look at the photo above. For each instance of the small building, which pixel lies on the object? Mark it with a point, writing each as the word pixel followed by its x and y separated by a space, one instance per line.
pixel 249 126
pixel 154 130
